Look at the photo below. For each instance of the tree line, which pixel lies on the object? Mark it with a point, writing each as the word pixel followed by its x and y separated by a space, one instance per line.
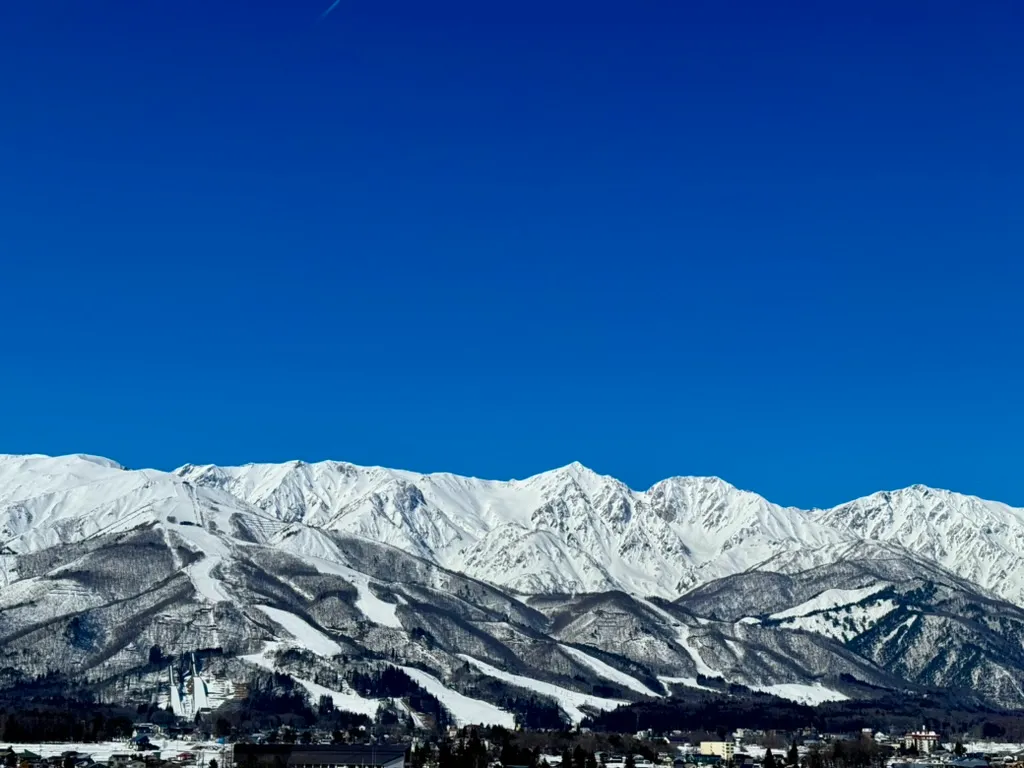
pixel 81 725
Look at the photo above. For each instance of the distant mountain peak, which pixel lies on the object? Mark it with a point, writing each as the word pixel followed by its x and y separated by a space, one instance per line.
pixel 569 528
pixel 548 580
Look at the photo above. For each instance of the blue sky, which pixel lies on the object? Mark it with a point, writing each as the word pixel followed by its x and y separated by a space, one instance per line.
pixel 775 242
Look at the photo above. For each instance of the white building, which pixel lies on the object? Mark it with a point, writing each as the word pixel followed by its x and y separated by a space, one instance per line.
pixel 723 749
pixel 923 741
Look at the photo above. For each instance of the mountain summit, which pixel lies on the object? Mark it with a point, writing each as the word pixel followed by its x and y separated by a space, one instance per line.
pixel 563 531
pixel 568 584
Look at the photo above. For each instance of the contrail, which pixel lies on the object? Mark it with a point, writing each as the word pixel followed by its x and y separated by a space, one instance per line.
pixel 331 8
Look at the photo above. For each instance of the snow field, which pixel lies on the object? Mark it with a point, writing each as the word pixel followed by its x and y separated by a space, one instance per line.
pixel 830 598
pixel 102 750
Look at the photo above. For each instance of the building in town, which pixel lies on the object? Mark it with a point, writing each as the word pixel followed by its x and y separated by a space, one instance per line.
pixel 923 741
pixel 320 755
pixel 722 749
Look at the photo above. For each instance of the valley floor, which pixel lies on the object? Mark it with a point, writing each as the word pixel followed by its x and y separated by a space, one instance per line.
pixel 102 750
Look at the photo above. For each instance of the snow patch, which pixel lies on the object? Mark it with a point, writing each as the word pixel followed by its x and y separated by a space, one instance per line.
pixel 830 598
pixel 908 623
pixel 844 623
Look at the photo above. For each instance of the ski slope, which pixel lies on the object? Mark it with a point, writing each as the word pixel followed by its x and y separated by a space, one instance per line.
pixel 683 639
pixel 689 682
pixel 376 610
pixel 322 553
pixel 345 701
pixel 465 710
pixel 305 634
pixel 570 701
pixel 609 672
pixel 802 694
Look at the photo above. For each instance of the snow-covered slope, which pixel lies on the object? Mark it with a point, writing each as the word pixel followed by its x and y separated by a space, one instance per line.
pixel 571 530
pixel 573 581
pixel 568 530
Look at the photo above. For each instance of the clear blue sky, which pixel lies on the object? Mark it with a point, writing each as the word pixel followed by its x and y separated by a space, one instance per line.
pixel 775 242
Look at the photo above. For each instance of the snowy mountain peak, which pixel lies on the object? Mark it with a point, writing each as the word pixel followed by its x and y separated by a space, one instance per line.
pixel 566 530
pixel 99 563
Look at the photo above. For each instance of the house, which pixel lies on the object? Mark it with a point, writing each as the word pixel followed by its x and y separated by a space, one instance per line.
pixel 923 741
pixel 148 729
pixel 320 755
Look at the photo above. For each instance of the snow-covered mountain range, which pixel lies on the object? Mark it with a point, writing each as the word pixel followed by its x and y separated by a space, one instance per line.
pixel 568 585
pixel 574 530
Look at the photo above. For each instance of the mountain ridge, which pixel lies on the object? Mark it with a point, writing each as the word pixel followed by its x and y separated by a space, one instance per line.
pixel 568 584
pixel 568 529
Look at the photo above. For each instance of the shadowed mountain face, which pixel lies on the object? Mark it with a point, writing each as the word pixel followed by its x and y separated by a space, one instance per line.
pixel 567 587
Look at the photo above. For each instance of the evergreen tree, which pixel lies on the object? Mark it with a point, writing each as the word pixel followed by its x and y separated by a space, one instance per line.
pixel 959 750
pixel 474 754
pixel 838 753
pixel 12 732
pixel 793 756
pixel 769 759
pixel 630 762
pixel 445 757
pixel 508 755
